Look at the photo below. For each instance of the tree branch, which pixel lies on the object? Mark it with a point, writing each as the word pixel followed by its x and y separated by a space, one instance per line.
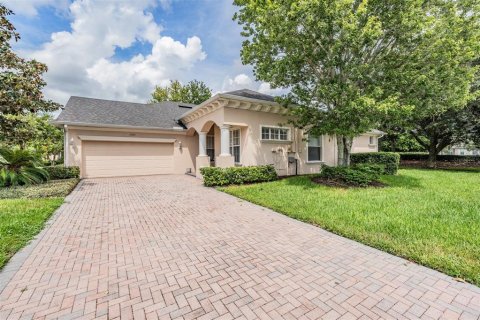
pixel 420 141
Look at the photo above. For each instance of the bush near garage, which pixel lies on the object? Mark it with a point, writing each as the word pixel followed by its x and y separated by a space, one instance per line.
pixel 213 176
pixel 59 172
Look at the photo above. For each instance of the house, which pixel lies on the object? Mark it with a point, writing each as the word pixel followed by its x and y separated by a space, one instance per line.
pixel 461 149
pixel 239 128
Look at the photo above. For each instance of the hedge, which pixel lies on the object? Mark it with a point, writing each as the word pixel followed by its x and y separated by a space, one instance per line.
pixel 360 175
pixel 213 176
pixel 390 160
pixel 61 172
pixel 423 156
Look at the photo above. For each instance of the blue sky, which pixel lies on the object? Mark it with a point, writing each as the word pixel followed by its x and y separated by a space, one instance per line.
pixel 121 49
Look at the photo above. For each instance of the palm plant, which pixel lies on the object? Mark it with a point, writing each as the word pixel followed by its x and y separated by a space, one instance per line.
pixel 20 167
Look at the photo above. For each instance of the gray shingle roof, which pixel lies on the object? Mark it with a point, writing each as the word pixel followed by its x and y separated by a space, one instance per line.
pixel 251 94
pixel 163 115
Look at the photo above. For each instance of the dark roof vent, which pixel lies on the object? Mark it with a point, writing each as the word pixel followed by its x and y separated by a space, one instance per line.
pixel 183 106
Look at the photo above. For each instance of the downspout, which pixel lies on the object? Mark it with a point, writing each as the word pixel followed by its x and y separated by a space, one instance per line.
pixel 65 145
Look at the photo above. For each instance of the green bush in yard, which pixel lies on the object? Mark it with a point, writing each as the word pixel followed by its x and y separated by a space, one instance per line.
pixel 423 156
pixel 390 160
pixel 360 175
pixel 61 172
pixel 213 176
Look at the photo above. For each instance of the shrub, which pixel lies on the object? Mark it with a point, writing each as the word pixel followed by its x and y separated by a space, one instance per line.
pixel 423 156
pixel 61 172
pixel 213 176
pixel 389 160
pixel 20 167
pixel 360 175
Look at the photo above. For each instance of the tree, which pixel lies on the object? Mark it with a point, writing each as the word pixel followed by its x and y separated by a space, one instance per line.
pixel 442 80
pixel 399 141
pixel 193 92
pixel 347 62
pixel 33 131
pixel 49 139
pixel 21 81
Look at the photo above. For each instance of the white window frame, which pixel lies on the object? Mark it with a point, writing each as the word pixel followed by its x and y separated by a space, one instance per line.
pixel 289 134
pixel 320 139
pixel 231 146
pixel 211 137
pixel 371 140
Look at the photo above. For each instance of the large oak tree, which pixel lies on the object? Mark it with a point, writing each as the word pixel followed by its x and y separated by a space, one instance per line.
pixel 352 63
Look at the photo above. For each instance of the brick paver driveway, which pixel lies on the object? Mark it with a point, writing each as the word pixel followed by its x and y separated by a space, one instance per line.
pixel 166 247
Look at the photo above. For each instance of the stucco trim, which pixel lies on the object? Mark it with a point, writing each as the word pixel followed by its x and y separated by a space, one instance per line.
pixel 125 139
pixel 232 101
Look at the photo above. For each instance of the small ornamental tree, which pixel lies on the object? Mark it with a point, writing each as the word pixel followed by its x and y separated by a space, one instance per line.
pixel 193 92
pixel 347 62
pixel 21 81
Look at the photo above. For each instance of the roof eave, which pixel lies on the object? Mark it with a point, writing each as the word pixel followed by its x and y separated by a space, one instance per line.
pixel 115 126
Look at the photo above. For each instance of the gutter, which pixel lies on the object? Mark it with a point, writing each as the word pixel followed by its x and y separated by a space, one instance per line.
pixel 118 126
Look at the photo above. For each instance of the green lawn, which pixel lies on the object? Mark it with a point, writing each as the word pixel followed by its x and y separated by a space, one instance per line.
pixel 428 216
pixel 24 210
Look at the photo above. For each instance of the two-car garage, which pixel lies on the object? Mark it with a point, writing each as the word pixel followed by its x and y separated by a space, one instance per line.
pixel 111 157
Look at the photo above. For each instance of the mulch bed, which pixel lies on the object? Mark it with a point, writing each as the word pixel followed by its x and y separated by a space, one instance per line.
pixel 341 184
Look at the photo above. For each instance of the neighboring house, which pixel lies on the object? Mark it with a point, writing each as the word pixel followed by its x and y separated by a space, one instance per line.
pixel 239 128
pixel 461 150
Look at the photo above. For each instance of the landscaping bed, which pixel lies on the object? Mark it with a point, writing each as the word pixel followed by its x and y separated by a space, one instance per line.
pixel 52 188
pixel 431 217
pixel 337 183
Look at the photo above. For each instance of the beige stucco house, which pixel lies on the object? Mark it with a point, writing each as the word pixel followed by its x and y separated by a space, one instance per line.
pixel 239 128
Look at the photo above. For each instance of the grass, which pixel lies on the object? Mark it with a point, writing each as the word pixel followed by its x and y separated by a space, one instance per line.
pixel 431 217
pixel 24 210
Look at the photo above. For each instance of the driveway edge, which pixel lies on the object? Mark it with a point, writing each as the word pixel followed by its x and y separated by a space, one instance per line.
pixel 16 262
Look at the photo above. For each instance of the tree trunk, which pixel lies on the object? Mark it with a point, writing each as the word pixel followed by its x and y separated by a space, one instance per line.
pixel 432 159
pixel 432 152
pixel 344 149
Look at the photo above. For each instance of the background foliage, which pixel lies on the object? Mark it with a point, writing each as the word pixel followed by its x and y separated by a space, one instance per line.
pixel 193 92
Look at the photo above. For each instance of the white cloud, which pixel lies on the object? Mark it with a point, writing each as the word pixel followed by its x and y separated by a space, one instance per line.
pixel 80 61
pixel 138 75
pixel 240 81
pixel 243 81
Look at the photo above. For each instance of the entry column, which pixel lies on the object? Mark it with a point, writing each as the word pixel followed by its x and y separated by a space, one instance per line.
pixel 202 160
pixel 225 159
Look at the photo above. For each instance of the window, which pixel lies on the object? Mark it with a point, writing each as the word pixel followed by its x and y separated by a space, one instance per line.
pixel 372 140
pixel 314 149
pixel 273 133
pixel 211 147
pixel 235 144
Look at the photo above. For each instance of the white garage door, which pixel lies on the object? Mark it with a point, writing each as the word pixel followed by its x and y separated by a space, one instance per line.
pixel 116 159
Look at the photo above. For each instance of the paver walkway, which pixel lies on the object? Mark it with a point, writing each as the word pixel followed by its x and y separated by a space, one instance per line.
pixel 166 247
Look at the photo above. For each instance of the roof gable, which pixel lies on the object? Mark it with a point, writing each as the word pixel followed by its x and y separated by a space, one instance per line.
pixel 246 93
